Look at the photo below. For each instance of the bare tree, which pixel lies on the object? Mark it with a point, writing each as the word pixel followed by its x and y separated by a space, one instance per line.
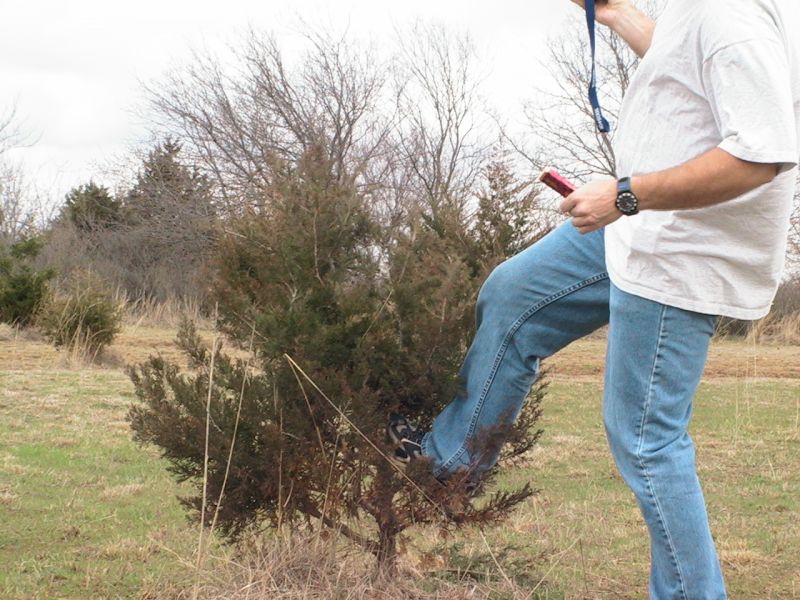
pixel 16 217
pixel 242 126
pixel 411 131
pixel 443 125
pixel 9 130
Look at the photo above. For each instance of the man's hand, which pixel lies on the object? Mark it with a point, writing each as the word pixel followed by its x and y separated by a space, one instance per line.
pixel 632 25
pixel 607 10
pixel 593 205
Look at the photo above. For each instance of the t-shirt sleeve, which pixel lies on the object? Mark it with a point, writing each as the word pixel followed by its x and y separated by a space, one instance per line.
pixel 748 85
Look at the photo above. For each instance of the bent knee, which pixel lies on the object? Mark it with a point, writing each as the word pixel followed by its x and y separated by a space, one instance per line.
pixel 503 282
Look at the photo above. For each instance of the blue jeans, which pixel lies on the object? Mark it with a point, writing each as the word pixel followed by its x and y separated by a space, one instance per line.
pixel 536 303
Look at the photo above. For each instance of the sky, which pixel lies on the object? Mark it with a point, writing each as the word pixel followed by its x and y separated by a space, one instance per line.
pixel 74 68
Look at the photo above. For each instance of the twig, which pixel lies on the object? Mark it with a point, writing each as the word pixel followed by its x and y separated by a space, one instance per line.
pixel 310 411
pixel 200 544
pixel 494 558
pixel 553 566
pixel 233 437
pixel 280 457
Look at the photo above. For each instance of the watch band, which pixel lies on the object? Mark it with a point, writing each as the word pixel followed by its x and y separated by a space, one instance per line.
pixel 627 202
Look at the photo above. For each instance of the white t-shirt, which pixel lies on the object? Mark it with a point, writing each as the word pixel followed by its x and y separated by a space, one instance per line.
pixel 719 73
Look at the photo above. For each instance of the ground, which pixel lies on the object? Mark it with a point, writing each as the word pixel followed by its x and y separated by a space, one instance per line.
pixel 85 513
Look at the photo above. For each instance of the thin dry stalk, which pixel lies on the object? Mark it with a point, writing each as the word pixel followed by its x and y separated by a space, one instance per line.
pixel 233 437
pixel 560 555
pixel 202 539
pixel 280 463
pixel 494 558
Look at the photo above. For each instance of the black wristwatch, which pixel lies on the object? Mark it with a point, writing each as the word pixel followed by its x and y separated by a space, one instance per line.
pixel 627 203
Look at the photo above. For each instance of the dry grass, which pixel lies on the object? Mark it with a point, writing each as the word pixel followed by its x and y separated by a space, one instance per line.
pixel 122 491
pixel 776 330
pixel 305 565
pixel 149 328
pixel 728 358
pixel 7 333
pixel 7 496
pixel 149 312
pixel 24 350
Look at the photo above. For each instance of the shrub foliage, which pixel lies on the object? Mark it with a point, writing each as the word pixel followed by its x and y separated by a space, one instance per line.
pixel 348 320
pixel 84 316
pixel 22 286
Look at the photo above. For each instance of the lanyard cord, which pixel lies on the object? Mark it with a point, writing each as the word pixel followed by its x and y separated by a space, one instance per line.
pixel 600 120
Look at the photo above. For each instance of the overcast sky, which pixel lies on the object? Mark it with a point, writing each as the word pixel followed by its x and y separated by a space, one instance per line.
pixel 73 67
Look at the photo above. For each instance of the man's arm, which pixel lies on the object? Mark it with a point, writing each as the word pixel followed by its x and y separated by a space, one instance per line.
pixel 711 178
pixel 631 24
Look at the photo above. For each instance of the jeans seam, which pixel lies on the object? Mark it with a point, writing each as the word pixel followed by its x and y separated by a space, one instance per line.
pixel 501 353
pixel 640 457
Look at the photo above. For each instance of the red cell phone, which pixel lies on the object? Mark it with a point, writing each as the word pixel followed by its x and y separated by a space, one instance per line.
pixel 552 179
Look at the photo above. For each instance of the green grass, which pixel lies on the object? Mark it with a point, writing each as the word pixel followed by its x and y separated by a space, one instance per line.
pixel 86 513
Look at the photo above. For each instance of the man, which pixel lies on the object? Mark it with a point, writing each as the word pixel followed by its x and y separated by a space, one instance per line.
pixel 708 134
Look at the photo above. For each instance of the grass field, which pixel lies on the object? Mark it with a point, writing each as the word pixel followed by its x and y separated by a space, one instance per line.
pixel 85 513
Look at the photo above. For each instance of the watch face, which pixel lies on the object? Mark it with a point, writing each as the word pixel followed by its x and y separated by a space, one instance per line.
pixel 627 203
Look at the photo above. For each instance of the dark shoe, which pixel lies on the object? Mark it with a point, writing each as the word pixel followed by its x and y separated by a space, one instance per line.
pixel 406 437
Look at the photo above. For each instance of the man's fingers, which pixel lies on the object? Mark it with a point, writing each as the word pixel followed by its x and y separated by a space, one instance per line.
pixel 567 204
pixel 571 208
pixel 581 219
pixel 582 222
pixel 586 228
